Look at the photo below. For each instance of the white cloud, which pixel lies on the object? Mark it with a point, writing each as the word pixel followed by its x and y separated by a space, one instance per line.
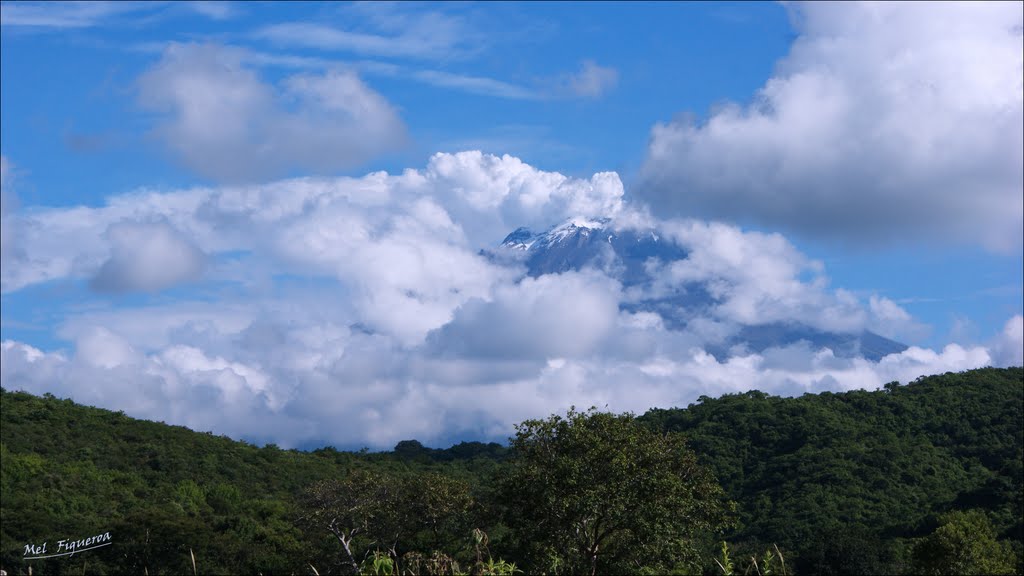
pixel 102 348
pixel 360 310
pixel 885 121
pixel 352 389
pixel 591 81
pixel 223 121
pixel 8 202
pixel 404 247
pixel 554 316
pixel 475 84
pixel 62 15
pixel 490 196
pixel 755 278
pixel 419 35
pixel 1008 346
pixel 147 257
pixel 214 10
pixel 404 32
pixel 892 321
pixel 6 170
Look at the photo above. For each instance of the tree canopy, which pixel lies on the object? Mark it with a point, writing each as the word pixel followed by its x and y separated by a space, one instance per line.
pixel 595 491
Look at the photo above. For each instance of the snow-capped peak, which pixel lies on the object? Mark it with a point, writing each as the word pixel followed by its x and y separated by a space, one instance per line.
pixel 524 239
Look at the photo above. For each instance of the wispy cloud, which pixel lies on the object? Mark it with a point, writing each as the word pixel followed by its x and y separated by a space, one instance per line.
pixel 7 205
pixel 215 10
pixel 432 36
pixel 43 16
pixel 475 84
pixel 60 15
pixel 480 85
pixel 591 81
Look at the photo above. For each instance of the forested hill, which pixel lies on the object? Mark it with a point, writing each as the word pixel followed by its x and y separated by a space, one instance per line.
pixel 850 482
pixel 853 474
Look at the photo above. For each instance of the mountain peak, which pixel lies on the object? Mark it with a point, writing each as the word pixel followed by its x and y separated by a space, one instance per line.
pixel 520 238
pixel 630 255
pixel 523 238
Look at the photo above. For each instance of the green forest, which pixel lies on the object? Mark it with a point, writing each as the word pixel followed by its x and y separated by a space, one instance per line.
pixel 922 478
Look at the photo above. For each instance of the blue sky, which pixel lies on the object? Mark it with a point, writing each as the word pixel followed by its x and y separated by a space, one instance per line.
pixel 191 189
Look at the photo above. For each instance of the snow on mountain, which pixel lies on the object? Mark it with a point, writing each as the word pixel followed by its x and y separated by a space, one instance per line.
pixel 633 257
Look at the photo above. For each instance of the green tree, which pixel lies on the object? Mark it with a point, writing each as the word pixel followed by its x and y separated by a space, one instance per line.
pixel 381 513
pixel 438 505
pixel 596 491
pixel 964 543
pixel 362 505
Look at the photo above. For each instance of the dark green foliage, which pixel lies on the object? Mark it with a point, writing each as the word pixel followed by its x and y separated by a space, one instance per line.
pixel 853 549
pixel 594 491
pixel 859 482
pixel 875 466
pixel 964 543
pixel 69 471
pixel 368 512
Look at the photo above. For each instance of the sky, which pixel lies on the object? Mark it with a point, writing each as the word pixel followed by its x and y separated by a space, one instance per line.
pixel 265 219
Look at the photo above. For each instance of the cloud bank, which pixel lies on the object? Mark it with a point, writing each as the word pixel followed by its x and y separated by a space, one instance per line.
pixel 361 311
pixel 886 122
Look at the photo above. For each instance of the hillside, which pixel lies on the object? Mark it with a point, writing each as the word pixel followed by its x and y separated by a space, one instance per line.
pixel 68 470
pixel 841 482
pixel 863 471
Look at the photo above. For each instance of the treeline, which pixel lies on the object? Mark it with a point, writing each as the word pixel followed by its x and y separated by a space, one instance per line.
pixel 922 478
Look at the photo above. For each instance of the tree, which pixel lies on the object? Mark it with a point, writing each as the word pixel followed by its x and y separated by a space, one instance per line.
pixel 964 543
pixel 381 513
pixel 597 491
pixel 362 505
pixel 438 505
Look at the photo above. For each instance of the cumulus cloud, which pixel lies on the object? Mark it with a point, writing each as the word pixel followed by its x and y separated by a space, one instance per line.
pixel 891 320
pixel 353 389
pixel 147 257
pixel 756 278
pixel 554 316
pixel 485 191
pixel 401 328
pixel 1008 346
pixel 404 246
pixel 886 121
pixel 223 121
